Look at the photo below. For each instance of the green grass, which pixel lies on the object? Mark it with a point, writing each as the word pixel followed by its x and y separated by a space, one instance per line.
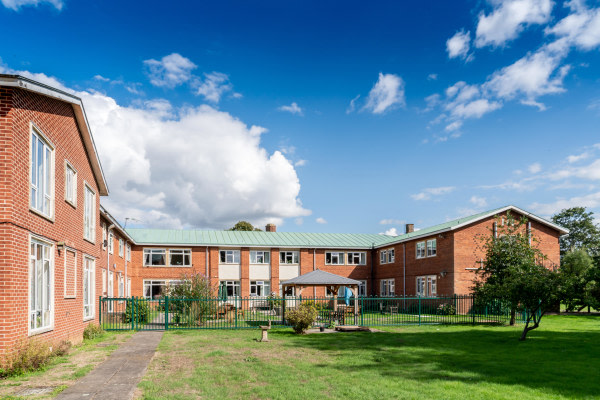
pixel 559 360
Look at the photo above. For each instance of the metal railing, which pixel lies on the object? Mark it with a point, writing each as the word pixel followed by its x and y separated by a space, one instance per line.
pixel 135 313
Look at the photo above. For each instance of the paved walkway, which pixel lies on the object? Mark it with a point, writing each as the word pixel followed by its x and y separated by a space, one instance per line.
pixel 118 376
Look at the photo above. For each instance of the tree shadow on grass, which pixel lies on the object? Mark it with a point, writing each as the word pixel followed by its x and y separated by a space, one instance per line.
pixel 558 362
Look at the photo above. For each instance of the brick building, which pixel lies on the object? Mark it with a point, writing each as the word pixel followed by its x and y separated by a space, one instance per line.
pixel 60 250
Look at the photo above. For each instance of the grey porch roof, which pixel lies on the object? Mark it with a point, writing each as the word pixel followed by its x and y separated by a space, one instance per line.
pixel 318 277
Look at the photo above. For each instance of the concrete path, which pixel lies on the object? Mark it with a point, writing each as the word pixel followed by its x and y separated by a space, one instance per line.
pixel 118 376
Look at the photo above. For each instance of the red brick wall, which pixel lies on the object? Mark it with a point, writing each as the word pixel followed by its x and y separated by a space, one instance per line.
pixel 56 120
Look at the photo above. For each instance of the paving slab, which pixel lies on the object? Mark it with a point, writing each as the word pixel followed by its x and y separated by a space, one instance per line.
pixel 118 376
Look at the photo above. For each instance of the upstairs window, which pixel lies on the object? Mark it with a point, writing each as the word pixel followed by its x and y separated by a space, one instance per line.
pixel 421 250
pixel 110 243
pixel 431 247
pixel 155 257
pixel 391 255
pixel 288 257
pixel 121 247
pixel 89 214
pixel 260 257
pixel 128 252
pixel 334 258
pixel 70 184
pixel 230 256
pixel 180 258
pixel 42 176
pixel 357 258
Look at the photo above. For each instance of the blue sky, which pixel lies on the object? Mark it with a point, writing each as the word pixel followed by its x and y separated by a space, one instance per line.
pixel 326 118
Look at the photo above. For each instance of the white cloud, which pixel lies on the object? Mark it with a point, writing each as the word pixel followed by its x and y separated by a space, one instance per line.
pixel 390 232
pixel 352 105
pixel 458 46
pixel 451 127
pixel 101 78
pixel 578 157
pixel 427 194
pixel 321 220
pixel 17 4
pixel 387 93
pixel 432 77
pixel 587 172
pixel 292 108
pixel 214 85
pixel 171 71
pixel 581 28
pixel 478 201
pixel 509 18
pixel 534 168
pixel 475 109
pixel 300 163
pixel 186 167
pixel 391 221
pixel 590 200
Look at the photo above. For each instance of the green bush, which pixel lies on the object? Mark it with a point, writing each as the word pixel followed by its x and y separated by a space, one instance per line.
pixel 302 317
pixel 32 355
pixel 92 331
pixel 142 312
pixel 446 309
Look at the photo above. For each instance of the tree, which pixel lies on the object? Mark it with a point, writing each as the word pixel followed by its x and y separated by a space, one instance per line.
pixel 244 226
pixel 192 286
pixel 578 279
pixel 583 233
pixel 513 272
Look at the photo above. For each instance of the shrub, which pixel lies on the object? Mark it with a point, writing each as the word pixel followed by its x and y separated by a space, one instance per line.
pixel 446 309
pixel 32 355
pixel 302 317
pixel 142 312
pixel 92 331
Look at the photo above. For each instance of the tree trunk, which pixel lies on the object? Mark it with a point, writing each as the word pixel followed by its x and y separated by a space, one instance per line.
pixel 536 323
pixel 513 316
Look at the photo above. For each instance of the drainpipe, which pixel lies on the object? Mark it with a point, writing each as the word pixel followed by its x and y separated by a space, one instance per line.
pixel 372 269
pixel 404 268
pixel 125 281
pixel 108 255
pixel 314 268
pixel 206 262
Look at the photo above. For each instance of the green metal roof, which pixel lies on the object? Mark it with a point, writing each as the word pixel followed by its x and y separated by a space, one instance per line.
pixel 296 239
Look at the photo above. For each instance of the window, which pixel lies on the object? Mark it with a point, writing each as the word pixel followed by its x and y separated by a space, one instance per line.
pixel 180 258
pixel 260 288
pixel 362 289
pixel 121 286
pixel 110 243
pixel 357 258
pixel 89 214
pixel 431 247
pixel 128 287
pixel 70 274
pixel 155 257
pixel 387 256
pixel 70 184
pixel 260 257
pixel 154 289
pixel 421 250
pixel 128 252
pixel 230 256
pixel 89 287
pixel 387 287
pixel 426 285
pixel 104 242
pixel 382 257
pixel 391 255
pixel 121 247
pixel 40 286
pixel 229 288
pixel 103 282
pixel 289 291
pixel 42 178
pixel 334 258
pixel 288 257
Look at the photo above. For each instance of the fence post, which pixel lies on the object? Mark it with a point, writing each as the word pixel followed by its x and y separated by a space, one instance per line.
pixel 419 310
pixel 166 313
pixel 132 312
pixel 361 311
pixel 473 308
pixel 283 311
pixel 236 310
pixel 100 310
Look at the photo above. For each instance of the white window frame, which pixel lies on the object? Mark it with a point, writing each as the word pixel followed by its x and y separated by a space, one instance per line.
pixel 121 286
pixel 104 236
pixel 421 248
pixel 183 253
pixel 111 244
pixel 362 288
pixel 264 285
pixel 47 290
pixel 103 281
pixel 47 174
pixel 341 259
pixel 151 251
pixel 293 254
pixel 431 250
pixel 89 213
pixel 128 294
pixel 426 285
pixel 237 289
pixel 383 257
pixel 89 273
pixel 72 184
pixel 230 256
pixel 387 287
pixel 391 256
pixel 69 250
pixel 153 282
pixel 121 247
pixel 256 255
pixel 128 252
pixel 362 258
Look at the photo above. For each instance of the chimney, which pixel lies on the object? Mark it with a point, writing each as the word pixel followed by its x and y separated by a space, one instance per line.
pixel 410 228
pixel 271 228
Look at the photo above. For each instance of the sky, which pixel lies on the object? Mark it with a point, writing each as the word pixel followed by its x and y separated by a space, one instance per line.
pixel 322 117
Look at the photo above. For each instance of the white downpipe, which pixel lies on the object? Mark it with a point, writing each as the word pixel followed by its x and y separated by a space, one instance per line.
pixel 108 255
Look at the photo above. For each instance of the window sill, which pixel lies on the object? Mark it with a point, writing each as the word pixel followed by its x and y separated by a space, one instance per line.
pixel 41 214
pixel 85 319
pixel 74 205
pixel 89 241
pixel 70 297
pixel 39 331
pixel 167 266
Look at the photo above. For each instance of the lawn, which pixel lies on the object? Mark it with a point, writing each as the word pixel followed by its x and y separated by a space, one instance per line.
pixel 63 371
pixel 559 360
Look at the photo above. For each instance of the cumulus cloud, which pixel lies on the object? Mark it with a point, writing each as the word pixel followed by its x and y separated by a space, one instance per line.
pixel 387 93
pixel 17 4
pixel 581 28
pixel 390 232
pixel 478 201
pixel 577 157
pixel 534 168
pixel 186 167
pixel 458 45
pixel 214 85
pixel 590 200
pixel 292 109
pixel 509 18
pixel 428 193
pixel 321 220
pixel 170 71
pixel 432 77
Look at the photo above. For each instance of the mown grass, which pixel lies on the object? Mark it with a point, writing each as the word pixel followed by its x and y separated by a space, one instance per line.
pixel 559 360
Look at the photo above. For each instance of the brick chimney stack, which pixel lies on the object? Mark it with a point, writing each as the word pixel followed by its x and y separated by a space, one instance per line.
pixel 410 228
pixel 271 228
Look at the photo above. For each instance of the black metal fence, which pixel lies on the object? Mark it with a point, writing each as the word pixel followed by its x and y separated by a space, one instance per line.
pixel 251 312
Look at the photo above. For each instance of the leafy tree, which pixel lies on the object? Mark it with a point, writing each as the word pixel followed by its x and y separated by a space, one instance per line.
pixel 513 272
pixel 244 226
pixel 583 233
pixel 192 286
pixel 578 283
